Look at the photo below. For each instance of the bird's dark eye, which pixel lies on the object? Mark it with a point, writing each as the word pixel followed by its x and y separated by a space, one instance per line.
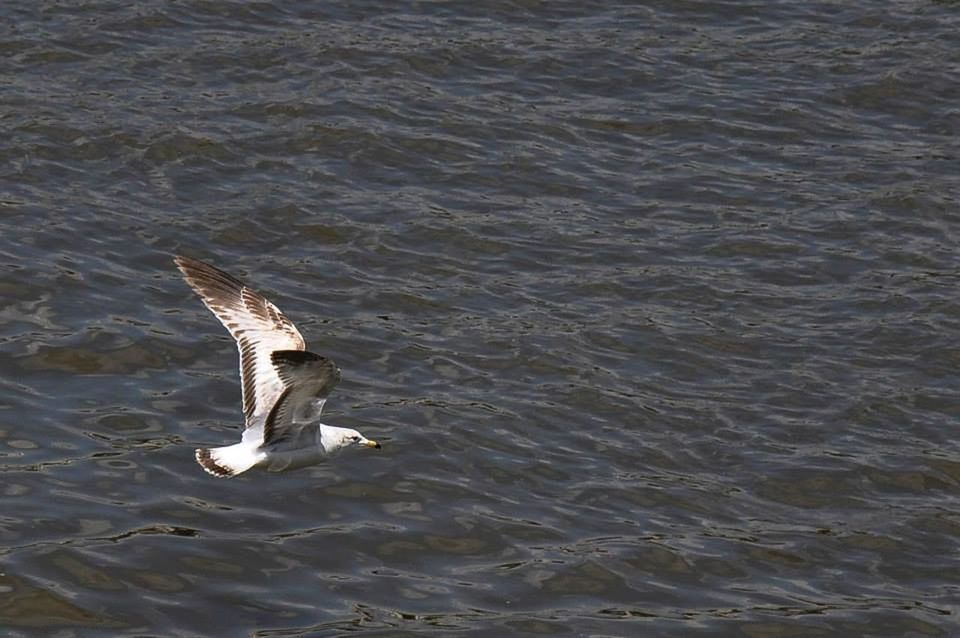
pixel 356 439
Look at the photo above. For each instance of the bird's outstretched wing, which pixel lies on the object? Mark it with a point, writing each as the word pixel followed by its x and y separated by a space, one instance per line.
pixel 308 379
pixel 258 327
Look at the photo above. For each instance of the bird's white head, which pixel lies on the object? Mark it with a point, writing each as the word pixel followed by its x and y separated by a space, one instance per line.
pixel 335 439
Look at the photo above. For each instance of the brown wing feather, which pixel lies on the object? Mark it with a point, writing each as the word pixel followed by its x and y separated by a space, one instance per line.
pixel 307 377
pixel 257 325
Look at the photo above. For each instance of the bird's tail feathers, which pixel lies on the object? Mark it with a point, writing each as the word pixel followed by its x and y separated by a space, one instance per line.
pixel 224 462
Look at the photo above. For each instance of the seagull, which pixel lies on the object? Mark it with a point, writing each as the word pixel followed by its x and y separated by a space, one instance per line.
pixel 284 386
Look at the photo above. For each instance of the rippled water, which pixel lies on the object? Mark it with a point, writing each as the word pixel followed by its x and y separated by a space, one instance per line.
pixel 653 306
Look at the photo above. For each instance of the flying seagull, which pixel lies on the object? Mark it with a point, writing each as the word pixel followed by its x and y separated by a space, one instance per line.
pixel 284 386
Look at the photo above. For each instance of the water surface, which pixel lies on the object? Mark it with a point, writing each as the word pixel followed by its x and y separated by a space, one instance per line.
pixel 653 307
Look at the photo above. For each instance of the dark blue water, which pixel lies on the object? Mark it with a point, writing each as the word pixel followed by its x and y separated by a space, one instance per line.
pixel 653 307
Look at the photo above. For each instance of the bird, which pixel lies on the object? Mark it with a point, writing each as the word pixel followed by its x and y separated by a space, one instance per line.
pixel 284 386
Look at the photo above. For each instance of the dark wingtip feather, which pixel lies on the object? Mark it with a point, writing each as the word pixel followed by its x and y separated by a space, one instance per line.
pixel 295 366
pixel 294 357
pixel 201 275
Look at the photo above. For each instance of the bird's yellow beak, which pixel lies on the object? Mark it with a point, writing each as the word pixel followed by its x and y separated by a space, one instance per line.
pixel 372 444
